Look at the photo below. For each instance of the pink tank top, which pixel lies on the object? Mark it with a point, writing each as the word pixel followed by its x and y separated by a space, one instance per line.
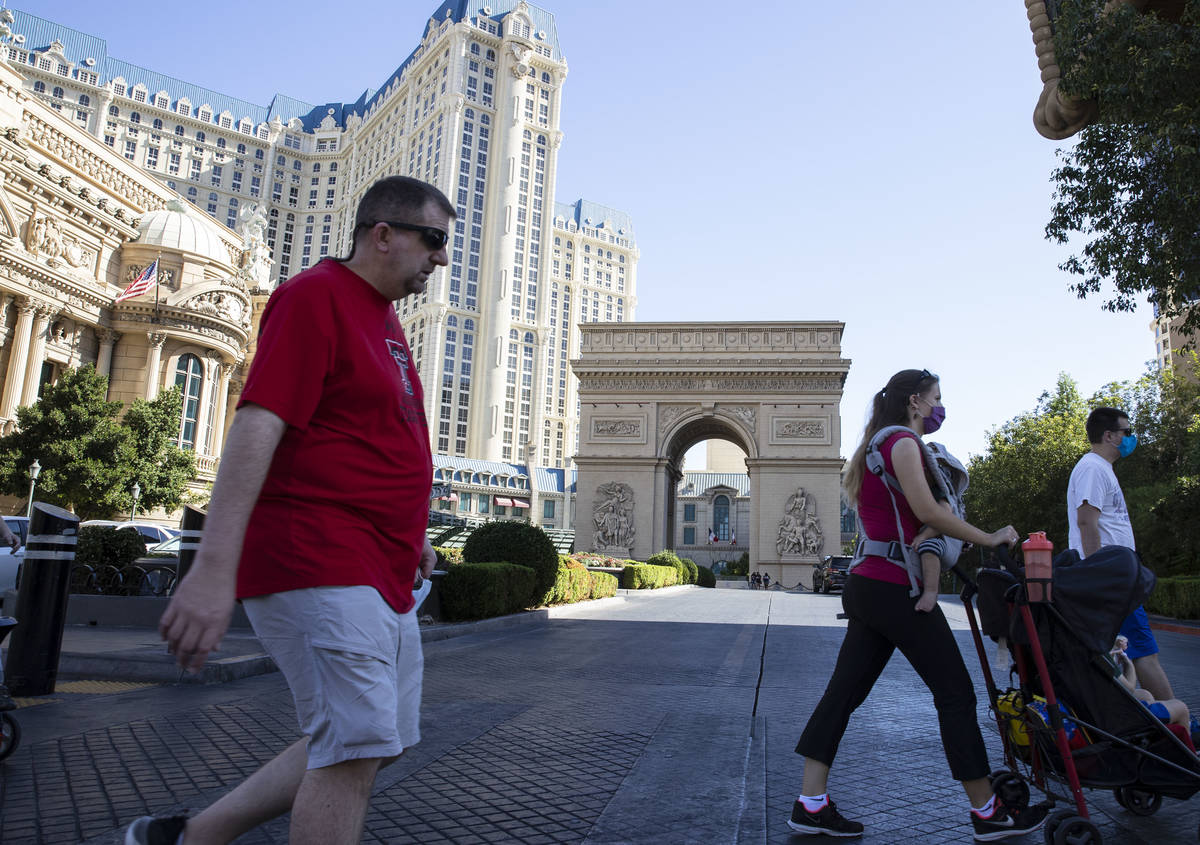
pixel 879 519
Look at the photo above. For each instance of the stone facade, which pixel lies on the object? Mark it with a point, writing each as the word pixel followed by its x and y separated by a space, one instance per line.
pixel 650 391
pixel 78 223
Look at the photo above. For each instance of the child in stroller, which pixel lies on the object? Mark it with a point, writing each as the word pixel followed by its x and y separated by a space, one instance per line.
pixel 1170 712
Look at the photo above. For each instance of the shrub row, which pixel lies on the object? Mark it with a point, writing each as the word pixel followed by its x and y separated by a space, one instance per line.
pixel 482 590
pixel 705 577
pixel 99 545
pixel 520 543
pixel 1178 597
pixel 648 577
pixel 447 557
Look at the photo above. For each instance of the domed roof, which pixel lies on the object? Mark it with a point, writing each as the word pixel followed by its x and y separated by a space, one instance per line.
pixel 178 227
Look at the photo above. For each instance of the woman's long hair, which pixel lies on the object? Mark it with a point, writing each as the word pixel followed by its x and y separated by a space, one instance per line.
pixel 889 407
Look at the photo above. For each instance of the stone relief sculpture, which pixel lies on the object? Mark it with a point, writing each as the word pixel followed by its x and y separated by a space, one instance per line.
pixel 613 515
pixel 256 257
pixel 801 428
pixel 800 530
pixel 217 304
pixel 616 428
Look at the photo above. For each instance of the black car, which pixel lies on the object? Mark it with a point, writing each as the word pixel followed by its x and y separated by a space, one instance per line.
pixel 830 574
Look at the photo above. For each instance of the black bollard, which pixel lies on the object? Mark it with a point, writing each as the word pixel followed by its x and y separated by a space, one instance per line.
pixel 191 527
pixel 32 664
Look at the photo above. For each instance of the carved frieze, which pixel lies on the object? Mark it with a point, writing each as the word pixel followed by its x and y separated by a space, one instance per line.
pixel 798 430
pixel 667 415
pixel 619 429
pixel 744 413
pixel 740 384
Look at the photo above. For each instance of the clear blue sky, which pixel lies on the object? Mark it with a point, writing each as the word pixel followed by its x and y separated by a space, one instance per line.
pixel 868 162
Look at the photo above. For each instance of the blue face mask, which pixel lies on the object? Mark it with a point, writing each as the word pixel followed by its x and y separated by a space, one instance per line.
pixel 1128 444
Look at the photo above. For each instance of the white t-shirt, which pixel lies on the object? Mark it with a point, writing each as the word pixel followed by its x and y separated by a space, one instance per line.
pixel 1093 481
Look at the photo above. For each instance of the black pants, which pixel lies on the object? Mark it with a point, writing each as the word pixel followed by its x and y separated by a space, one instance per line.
pixel 883 619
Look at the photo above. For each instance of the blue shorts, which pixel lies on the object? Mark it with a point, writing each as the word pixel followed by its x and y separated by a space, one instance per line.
pixel 1136 629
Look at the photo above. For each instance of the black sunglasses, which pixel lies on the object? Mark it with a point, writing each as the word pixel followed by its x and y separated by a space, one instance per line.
pixel 432 237
pixel 1125 432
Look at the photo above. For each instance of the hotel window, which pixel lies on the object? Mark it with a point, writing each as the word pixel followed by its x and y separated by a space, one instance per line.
pixel 130 149
pixel 548 509
pixel 189 375
pixel 689 535
pixel 139 95
pixel 689 513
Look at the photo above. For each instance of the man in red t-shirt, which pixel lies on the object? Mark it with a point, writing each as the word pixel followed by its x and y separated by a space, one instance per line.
pixel 317 524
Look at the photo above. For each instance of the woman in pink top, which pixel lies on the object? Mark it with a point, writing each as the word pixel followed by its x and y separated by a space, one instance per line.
pixel 884 617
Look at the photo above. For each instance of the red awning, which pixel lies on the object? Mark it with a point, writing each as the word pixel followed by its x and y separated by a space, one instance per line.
pixel 503 502
pixel 520 503
pixel 453 497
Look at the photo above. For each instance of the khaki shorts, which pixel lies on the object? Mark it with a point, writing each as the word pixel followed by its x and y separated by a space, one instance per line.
pixel 354 667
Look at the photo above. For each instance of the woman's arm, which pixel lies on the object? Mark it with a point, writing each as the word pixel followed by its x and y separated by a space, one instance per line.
pixel 906 460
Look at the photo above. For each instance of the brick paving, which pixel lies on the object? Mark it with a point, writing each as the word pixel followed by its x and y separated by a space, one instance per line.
pixel 615 723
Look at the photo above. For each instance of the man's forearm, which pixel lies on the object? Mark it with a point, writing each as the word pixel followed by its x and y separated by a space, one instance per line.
pixel 1089 538
pixel 246 458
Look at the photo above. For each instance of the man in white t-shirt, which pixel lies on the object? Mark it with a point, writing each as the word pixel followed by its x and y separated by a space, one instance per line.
pixel 1097 517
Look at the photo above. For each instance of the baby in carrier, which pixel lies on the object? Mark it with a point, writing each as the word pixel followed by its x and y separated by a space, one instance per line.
pixel 1170 712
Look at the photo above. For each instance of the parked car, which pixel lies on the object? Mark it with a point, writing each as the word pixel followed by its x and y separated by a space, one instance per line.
pixel 830 574
pixel 10 561
pixel 151 532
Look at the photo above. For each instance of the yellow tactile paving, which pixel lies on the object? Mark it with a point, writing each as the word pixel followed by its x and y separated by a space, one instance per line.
pixel 99 687
pixel 33 702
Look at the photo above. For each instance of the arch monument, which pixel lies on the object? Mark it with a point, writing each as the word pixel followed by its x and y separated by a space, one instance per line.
pixel 650 391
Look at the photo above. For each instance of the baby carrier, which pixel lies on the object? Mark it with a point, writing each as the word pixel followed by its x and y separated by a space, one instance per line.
pixel 948 479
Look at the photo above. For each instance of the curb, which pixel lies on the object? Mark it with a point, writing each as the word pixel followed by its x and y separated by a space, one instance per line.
pixel 147 665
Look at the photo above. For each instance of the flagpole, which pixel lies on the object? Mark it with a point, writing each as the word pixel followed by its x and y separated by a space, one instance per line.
pixel 157 270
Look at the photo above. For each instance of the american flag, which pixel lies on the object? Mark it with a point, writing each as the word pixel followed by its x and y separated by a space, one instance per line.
pixel 142 283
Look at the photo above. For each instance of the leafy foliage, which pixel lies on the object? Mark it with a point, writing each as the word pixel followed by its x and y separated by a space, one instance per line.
pixel 483 590
pixel 1131 184
pixel 1023 476
pixel 520 543
pixel 103 544
pixel 705 577
pixel 90 460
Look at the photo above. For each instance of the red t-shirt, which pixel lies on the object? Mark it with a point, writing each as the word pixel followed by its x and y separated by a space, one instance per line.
pixel 879 519
pixel 346 500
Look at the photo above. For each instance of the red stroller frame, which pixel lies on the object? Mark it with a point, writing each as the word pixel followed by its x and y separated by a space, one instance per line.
pixel 1064 825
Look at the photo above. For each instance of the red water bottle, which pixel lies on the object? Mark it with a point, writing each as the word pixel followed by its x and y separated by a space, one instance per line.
pixel 1039 573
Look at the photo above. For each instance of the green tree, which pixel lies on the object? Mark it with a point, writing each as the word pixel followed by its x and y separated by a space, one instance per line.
pixel 89 458
pixel 1022 478
pixel 1131 185
pixel 159 467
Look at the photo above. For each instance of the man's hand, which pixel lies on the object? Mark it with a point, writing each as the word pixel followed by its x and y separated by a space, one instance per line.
pixel 927 602
pixel 197 617
pixel 14 541
pixel 428 559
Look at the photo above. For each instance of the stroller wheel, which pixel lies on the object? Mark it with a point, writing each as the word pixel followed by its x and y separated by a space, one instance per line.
pixel 1066 828
pixel 10 735
pixel 1010 788
pixel 1140 802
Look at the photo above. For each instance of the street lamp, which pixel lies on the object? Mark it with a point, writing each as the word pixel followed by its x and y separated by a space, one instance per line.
pixel 35 470
pixel 137 494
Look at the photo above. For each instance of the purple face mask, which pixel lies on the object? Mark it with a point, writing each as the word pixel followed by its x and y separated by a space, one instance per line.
pixel 937 416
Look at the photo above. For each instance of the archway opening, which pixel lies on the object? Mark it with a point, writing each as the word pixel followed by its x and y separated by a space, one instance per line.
pixel 709 515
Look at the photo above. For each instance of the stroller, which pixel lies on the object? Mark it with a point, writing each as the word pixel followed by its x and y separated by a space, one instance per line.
pixel 1069 722
pixel 10 731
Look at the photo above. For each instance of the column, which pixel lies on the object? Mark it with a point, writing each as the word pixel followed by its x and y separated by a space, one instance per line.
pixel 37 354
pixel 153 363
pixel 108 339
pixel 18 353
pixel 5 330
pixel 218 441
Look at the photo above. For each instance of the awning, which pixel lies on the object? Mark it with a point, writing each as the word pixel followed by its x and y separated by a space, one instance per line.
pixel 453 497
pixel 520 503
pixel 503 502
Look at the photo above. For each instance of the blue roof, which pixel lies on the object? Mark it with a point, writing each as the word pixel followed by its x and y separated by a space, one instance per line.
pixel 40 33
pixel 701 481
pixel 551 480
pixel 596 216
pixel 473 465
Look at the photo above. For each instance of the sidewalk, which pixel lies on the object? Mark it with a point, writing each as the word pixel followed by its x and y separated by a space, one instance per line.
pixel 138 654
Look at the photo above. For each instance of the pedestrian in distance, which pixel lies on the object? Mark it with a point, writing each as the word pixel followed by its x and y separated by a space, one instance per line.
pixel 1097 516
pixel 883 617
pixel 317 525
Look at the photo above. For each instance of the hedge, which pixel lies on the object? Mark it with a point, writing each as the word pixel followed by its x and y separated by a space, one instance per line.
pixel 648 577
pixel 692 569
pixel 670 559
pixel 447 557
pixel 604 585
pixel 1178 597
pixel 705 577
pixel 571 585
pixel 482 590
pixel 519 543
pixel 99 545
